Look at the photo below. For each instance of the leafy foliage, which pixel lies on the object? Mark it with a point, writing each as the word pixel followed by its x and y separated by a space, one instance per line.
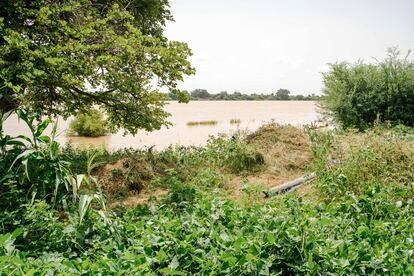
pixel 34 163
pixel 91 124
pixel 356 95
pixel 34 170
pixel 366 234
pixel 362 223
pixel 65 57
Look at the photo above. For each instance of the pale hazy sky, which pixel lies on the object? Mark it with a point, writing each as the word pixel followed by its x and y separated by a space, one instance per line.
pixel 262 45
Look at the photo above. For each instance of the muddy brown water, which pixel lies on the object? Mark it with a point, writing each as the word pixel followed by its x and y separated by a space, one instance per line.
pixel 252 114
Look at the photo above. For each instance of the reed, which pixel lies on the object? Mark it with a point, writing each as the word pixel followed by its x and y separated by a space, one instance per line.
pixel 235 121
pixel 202 123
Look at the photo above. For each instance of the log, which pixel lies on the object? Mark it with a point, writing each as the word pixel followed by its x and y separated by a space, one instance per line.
pixel 289 185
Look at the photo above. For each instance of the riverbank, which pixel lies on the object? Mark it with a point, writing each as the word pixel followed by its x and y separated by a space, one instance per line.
pixel 197 210
pixel 188 123
pixel 262 159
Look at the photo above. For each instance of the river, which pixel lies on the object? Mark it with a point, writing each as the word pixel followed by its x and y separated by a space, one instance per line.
pixel 248 115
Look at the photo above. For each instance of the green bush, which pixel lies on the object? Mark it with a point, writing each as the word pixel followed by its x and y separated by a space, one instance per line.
pixel 234 154
pixel 356 95
pixel 91 124
pixel 32 166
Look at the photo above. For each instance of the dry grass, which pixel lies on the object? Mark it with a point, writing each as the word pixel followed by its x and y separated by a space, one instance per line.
pixel 287 156
pixel 110 184
pixel 139 199
pixel 124 178
pixel 285 148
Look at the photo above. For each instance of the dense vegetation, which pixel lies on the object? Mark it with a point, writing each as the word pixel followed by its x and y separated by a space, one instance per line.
pixel 356 95
pixel 280 95
pixel 66 57
pixel 90 124
pixel 357 218
pixel 189 210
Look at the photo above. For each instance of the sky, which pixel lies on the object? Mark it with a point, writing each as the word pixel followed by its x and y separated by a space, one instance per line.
pixel 259 46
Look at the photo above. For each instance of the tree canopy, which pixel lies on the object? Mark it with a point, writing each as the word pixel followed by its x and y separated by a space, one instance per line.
pixel 66 57
pixel 281 95
pixel 356 95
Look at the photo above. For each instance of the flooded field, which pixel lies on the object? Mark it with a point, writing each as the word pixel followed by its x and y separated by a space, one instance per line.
pixel 194 122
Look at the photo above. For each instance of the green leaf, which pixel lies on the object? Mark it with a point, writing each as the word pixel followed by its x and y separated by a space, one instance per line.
pixel 170 271
pixel 174 263
pixel 41 127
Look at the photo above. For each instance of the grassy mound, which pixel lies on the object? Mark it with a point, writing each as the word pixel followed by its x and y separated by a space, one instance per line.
pixel 284 147
pixel 268 156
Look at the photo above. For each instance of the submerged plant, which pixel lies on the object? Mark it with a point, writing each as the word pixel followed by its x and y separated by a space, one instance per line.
pixel 235 121
pixel 91 124
pixel 202 123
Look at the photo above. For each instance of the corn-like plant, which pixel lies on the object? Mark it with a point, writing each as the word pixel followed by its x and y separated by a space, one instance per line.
pixel 37 166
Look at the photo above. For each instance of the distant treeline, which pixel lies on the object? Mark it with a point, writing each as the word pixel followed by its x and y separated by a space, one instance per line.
pixel 280 95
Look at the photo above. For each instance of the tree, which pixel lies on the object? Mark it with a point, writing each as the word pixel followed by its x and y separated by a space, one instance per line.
pixel 65 57
pixel 282 94
pixel 223 95
pixel 355 95
pixel 200 94
pixel 299 97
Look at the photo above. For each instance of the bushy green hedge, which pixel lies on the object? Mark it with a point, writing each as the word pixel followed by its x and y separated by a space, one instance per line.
pixel 90 124
pixel 356 95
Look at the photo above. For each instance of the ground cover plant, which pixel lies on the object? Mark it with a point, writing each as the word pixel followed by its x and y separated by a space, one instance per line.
pixel 360 223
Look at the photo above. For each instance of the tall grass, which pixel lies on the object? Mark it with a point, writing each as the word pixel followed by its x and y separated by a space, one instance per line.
pixel 235 121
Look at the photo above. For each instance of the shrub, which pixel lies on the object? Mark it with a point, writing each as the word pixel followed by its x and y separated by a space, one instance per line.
pixel 355 95
pixel 35 167
pixel 235 154
pixel 91 124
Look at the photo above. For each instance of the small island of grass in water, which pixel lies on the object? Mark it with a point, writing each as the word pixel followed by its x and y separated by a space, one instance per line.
pixel 235 121
pixel 202 123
